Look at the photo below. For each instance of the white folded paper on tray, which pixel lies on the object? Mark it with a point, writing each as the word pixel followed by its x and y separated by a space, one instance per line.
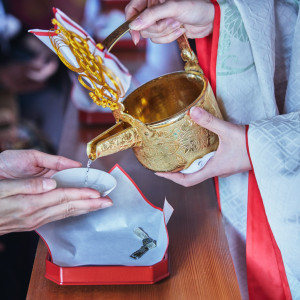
pixel 106 237
pixel 109 60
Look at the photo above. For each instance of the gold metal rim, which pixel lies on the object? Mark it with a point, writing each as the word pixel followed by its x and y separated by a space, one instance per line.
pixel 180 114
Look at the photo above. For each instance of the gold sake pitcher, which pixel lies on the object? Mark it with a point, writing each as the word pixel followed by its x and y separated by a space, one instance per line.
pixel 154 120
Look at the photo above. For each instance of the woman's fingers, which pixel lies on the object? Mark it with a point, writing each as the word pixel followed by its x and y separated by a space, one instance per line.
pixel 162 27
pixel 175 177
pixel 164 31
pixel 131 10
pixel 161 20
pixel 184 179
pixel 25 163
pixel 134 7
pixel 135 35
pixel 191 179
pixel 154 14
pixel 65 195
pixel 144 20
pixel 27 212
pixel 170 37
pixel 208 121
pixel 230 158
pixel 26 186
pixel 54 162
pixel 68 209
pixel 171 30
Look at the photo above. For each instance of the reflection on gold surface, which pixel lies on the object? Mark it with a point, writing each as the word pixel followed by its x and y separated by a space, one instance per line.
pixel 164 97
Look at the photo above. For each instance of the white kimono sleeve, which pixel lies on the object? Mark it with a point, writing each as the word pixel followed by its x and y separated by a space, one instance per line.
pixel 274 146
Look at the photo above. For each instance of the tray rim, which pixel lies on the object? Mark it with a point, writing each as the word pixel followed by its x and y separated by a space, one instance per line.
pixel 134 274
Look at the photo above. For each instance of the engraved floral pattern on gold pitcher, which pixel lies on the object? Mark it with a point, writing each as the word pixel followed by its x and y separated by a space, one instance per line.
pixel 154 119
pixel 157 126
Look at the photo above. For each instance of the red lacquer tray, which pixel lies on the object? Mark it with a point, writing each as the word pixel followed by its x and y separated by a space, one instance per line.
pixel 107 275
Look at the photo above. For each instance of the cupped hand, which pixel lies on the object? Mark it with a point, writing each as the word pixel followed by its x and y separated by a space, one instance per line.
pixel 29 198
pixel 26 204
pixel 164 21
pixel 230 158
pixel 30 163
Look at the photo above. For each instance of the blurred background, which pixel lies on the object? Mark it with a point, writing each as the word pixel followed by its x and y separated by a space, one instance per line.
pixel 36 89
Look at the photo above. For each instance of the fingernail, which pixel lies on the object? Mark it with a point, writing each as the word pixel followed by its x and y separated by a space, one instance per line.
pixel 195 111
pixel 49 184
pixel 179 32
pixel 66 164
pixel 94 196
pixel 106 204
pixel 174 24
pixel 136 24
pixel 135 39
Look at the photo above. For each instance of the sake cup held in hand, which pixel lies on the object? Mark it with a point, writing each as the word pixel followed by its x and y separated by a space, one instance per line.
pixel 79 178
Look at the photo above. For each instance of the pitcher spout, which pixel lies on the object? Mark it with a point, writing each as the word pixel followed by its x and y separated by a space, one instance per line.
pixel 119 137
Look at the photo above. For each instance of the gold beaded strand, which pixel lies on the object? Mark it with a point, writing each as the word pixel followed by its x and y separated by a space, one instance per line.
pixel 94 75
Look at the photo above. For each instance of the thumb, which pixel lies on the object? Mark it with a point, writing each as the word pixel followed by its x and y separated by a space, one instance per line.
pixel 39 185
pixel 207 120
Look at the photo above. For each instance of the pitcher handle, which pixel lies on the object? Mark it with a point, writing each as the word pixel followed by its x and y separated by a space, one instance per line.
pixel 187 54
pixel 110 40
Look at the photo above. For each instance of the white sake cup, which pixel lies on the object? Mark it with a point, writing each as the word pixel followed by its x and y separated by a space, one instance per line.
pixel 76 177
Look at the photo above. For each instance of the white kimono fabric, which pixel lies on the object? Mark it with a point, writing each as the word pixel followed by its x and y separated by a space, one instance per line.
pixel 258 83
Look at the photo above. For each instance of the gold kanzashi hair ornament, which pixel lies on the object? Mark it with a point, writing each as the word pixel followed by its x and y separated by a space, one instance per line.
pixel 104 86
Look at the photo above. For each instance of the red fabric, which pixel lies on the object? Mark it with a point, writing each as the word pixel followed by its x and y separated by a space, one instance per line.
pixel 216 179
pixel 203 47
pixel 265 270
pixel 207 51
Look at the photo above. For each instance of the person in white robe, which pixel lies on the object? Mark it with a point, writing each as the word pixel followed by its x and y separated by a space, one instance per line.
pixel 253 64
